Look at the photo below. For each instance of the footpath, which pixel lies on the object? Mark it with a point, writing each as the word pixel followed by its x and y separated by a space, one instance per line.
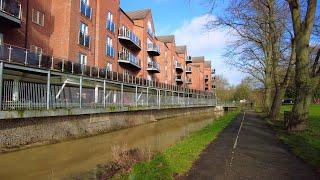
pixel 249 149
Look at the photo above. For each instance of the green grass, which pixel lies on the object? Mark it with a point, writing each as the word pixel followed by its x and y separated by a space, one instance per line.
pixel 179 158
pixel 305 144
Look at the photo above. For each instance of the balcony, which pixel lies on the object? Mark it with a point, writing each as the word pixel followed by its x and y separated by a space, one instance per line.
pixel 189 59
pixel 153 50
pixel 111 26
pixel 129 60
pixel 213 71
pixel 84 39
pixel 153 67
pixel 179 79
pixel 127 37
pixel 189 70
pixel 10 13
pixel 85 10
pixel 189 81
pixel 179 67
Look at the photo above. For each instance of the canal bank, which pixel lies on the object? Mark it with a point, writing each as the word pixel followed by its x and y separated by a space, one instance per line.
pixel 19 133
pixel 69 158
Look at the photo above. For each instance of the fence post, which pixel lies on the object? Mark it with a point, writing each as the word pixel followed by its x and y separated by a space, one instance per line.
pixel 147 96
pixel 104 93
pixel 122 96
pixel 1 83
pixel 159 98
pixel 178 98
pixel 136 96
pixel 48 89
pixel 165 97
pixel 80 92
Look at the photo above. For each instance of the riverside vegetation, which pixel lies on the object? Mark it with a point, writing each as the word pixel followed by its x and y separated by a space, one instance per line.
pixel 174 161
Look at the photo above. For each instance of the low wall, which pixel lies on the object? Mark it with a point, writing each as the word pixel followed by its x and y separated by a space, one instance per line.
pixel 16 133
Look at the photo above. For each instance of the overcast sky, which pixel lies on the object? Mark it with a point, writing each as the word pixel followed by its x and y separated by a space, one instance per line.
pixel 186 21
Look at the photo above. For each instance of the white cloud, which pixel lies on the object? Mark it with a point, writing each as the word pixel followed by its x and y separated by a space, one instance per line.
pixel 210 44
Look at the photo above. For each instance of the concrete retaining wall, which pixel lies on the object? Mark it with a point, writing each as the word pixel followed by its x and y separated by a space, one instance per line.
pixel 16 133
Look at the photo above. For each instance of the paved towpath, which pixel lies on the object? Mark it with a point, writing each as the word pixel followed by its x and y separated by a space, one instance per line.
pixel 249 149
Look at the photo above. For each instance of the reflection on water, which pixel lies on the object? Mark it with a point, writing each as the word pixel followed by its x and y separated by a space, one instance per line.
pixel 77 156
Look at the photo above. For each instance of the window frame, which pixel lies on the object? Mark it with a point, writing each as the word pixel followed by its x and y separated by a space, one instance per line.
pixel 37 20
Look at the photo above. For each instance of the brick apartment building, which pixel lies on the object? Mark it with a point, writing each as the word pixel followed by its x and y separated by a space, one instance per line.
pixel 99 33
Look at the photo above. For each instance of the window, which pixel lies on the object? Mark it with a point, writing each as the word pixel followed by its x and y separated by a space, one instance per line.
pixel 150 30
pixel 109 47
pixel 36 49
pixel 38 17
pixel 84 28
pixel 110 24
pixel 85 9
pixel 83 59
pixel 84 38
pixel 109 66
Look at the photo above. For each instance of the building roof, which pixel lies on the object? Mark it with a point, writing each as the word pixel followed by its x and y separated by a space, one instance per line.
pixel 139 14
pixel 198 59
pixel 166 39
pixel 207 64
pixel 181 49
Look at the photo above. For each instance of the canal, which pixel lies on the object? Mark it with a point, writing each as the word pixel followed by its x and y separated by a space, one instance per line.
pixel 66 159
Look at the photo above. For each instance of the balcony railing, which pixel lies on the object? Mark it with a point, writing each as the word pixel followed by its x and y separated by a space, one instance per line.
pixel 179 67
pixel 153 66
pixel 129 59
pixel 128 35
pixel 153 49
pixel 188 69
pixel 10 11
pixel 84 39
pixel 189 59
pixel 111 26
pixel 85 9
pixel 25 58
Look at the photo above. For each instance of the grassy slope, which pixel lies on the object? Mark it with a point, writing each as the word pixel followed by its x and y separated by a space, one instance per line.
pixel 305 144
pixel 179 158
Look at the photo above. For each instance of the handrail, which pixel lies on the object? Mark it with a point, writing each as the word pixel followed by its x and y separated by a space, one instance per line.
pixel 27 57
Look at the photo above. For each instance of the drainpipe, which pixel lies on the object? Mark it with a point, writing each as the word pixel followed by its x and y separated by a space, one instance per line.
pixel 26 29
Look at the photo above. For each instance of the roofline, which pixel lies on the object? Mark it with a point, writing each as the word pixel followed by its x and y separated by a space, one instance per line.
pixel 126 15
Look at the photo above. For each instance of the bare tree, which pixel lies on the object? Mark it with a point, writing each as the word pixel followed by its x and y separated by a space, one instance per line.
pixel 306 74
pixel 261 45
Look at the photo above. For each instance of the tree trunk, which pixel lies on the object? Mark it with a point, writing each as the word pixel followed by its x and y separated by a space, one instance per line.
pixel 303 84
pixel 276 103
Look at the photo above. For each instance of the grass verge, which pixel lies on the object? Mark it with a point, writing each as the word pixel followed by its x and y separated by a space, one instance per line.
pixel 178 159
pixel 305 144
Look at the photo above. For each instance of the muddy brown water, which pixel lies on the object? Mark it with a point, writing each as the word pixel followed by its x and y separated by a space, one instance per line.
pixel 67 159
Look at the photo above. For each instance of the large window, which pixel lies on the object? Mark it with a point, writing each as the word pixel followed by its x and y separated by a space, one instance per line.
pixel 150 29
pixel 83 59
pixel 85 8
pixel 110 24
pixel 109 47
pixel 37 17
pixel 84 38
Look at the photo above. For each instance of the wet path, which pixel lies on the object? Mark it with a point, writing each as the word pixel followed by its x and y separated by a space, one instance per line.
pixel 62 160
pixel 248 149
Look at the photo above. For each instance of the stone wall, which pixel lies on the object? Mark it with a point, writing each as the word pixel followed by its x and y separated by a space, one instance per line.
pixel 16 133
